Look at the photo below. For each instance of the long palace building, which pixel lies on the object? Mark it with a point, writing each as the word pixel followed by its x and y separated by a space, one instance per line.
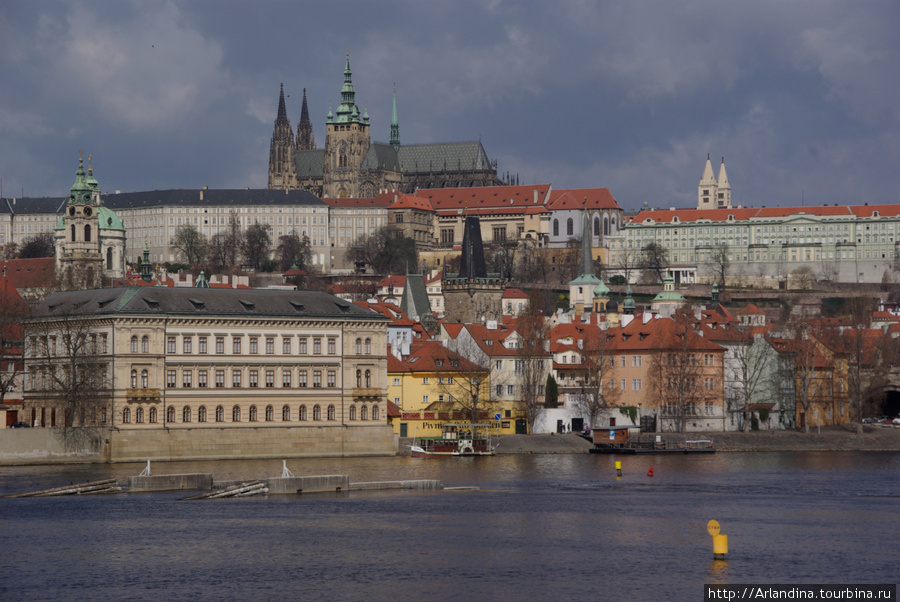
pixel 192 373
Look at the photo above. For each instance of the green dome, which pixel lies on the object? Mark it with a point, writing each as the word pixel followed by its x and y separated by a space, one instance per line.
pixel 601 291
pixel 108 220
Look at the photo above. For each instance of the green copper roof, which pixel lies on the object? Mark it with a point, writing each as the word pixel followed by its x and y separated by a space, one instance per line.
pixel 347 112
pixel 601 291
pixel 628 304
pixel 80 193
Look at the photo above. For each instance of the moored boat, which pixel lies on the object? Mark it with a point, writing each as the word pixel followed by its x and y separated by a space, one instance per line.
pixel 458 439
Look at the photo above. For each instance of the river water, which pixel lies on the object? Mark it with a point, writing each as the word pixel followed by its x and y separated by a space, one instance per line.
pixel 540 527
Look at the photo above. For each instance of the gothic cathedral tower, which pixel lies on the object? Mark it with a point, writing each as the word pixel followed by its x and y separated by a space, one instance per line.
pixel 282 167
pixel 712 193
pixel 306 140
pixel 346 143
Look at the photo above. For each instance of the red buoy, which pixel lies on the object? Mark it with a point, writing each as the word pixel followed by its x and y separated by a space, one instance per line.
pixel 650 472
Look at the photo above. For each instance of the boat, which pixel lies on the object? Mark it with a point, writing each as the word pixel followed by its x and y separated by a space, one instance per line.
pixel 458 439
pixel 628 440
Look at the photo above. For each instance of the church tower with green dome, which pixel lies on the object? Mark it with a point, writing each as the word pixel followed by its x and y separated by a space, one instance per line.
pixel 89 238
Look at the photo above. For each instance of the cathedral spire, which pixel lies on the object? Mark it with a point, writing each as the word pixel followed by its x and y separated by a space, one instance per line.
pixel 395 124
pixel 347 112
pixel 282 168
pixel 282 110
pixel 306 140
pixel 587 262
pixel 723 197
pixel 706 191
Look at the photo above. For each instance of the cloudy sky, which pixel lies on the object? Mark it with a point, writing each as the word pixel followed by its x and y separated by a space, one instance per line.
pixel 800 97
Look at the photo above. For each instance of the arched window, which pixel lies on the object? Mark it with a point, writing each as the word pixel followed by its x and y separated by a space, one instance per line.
pixel 145 344
pixel 286 414
pixel 126 415
pixel 252 413
pixel 605 225
pixel 374 412
pixel 139 415
pixel 570 227
pixel 134 379
pixel 317 412
pixel 109 258
pixel 368 346
pixel 220 414
pixel 87 233
pixel 352 412
pixel 270 413
pixel 134 344
pixel 145 379
pixel 358 346
pixel 186 414
pixel 612 224
pixel 556 227
pixel 236 414
pixel 368 378
pixel 153 415
pixel 302 414
pixel 330 412
pixel 73 233
pixel 364 413
pixel 358 378
pixel 201 414
pixel 170 414
pixel 596 226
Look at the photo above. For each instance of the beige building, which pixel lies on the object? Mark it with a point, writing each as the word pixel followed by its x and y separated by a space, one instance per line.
pixel 202 373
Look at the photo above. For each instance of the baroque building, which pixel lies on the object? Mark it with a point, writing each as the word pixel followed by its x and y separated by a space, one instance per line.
pixel 89 237
pixel 352 165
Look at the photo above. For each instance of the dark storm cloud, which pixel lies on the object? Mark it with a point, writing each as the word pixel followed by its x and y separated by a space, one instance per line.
pixel 799 97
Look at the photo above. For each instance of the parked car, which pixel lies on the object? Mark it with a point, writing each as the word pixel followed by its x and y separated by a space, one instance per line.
pixel 19 425
pixel 896 420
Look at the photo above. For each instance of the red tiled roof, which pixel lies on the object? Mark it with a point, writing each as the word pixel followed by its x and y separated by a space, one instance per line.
pixel 514 293
pixel 742 214
pixel 750 310
pixel 395 281
pixel 382 200
pixel 580 198
pixel 493 197
pixel 29 273
pixel 411 201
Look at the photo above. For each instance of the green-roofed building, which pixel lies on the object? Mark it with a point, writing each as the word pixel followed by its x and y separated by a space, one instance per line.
pixel 353 166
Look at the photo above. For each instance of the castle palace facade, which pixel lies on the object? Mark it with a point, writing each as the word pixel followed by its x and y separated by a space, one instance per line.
pixel 353 166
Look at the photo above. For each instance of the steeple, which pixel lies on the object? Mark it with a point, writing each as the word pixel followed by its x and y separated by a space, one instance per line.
pixel 395 124
pixel 706 191
pixel 80 192
pixel 347 112
pixel 282 167
pixel 306 140
pixel 587 262
pixel 723 198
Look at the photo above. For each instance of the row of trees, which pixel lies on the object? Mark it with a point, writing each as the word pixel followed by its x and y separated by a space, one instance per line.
pixel 232 247
pixel 39 245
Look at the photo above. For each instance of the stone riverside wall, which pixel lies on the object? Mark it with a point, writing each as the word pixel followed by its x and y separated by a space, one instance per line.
pixel 43 446
pixel 251 443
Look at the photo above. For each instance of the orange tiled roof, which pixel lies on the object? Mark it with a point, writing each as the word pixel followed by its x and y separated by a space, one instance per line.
pixel 580 198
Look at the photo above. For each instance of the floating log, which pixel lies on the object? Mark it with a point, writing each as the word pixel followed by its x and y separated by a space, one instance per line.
pixel 241 489
pixel 79 489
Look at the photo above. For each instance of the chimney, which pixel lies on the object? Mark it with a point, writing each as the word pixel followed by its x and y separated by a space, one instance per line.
pixel 201 193
pixel 646 317
pixel 535 196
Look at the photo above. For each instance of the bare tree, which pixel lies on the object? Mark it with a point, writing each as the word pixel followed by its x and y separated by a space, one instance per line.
pixel 465 381
pixel 626 263
pixel 533 362
pixel 720 262
pixel 39 245
pixel 752 366
pixel 680 372
pixel 68 364
pixel 597 374
pixel 13 311
pixel 803 368
pixel 293 250
pixel 387 251
pixel 190 244
pixel 654 261
pixel 256 245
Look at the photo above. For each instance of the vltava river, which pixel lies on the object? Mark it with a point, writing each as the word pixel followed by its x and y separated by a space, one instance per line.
pixel 540 527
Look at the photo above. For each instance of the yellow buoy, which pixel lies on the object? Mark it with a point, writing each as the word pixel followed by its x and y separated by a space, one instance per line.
pixel 618 469
pixel 720 540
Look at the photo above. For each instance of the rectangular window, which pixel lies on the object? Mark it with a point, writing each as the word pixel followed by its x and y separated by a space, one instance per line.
pixel 220 378
pixel 286 346
pixel 424 399
pixel 635 384
pixel 254 378
pixel 623 384
pixel 270 346
pixel 170 379
pixel 510 389
pixel 270 378
pixel 636 361
pixel 201 379
pixel 623 362
pixel 396 382
pixel 220 345
pixel 499 390
pixel 302 346
pixel 188 344
pixel 286 379
pixel 331 378
pixel 317 379
pixel 236 379
pixel 332 345
pixel 201 345
pixel 317 346
pixel 186 379
pixel 170 345
pixel 236 345
pixel 424 380
pixel 301 382
pixel 254 345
